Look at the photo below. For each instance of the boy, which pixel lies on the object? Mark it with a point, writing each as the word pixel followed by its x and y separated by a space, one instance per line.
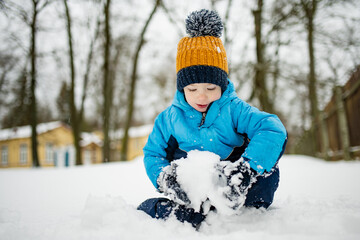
pixel 207 115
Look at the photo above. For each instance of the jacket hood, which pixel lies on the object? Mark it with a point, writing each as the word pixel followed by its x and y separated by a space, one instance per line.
pixel 180 102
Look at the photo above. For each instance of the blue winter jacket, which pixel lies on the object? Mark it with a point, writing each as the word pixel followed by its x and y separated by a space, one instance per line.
pixel 231 129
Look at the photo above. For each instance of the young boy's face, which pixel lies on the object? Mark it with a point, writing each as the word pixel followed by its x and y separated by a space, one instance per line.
pixel 200 95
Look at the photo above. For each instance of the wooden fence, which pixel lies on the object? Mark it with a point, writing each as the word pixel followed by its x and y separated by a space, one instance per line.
pixel 340 130
pixel 338 134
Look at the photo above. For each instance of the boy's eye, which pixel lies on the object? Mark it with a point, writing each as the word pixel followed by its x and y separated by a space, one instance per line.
pixel 211 88
pixel 192 89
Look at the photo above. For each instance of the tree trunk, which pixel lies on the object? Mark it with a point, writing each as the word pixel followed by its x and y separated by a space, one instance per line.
pixel 310 10
pixel 309 7
pixel 260 88
pixel 107 90
pixel 75 123
pixel 33 114
pixel 131 98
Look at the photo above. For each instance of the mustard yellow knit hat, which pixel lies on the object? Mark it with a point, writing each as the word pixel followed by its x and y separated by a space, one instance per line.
pixel 201 58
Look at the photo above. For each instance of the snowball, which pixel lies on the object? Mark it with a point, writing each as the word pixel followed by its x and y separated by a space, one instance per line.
pixel 196 174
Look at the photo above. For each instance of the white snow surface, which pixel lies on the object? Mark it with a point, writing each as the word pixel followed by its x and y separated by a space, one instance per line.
pixel 315 200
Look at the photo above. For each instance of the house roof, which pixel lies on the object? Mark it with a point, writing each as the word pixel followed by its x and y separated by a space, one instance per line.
pixel 25 131
pixel 88 138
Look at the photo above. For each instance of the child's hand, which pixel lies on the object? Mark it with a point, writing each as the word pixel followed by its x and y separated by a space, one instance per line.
pixel 169 185
pixel 235 178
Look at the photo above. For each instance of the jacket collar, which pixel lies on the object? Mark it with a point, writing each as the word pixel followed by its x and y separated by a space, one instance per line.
pixel 214 110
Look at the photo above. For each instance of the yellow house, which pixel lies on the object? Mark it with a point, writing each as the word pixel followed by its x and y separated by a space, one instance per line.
pixel 55 145
pixel 137 139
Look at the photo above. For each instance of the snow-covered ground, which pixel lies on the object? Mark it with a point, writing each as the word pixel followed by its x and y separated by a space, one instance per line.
pixel 315 200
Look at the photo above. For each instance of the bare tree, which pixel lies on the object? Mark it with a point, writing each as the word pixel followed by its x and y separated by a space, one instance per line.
pixel 19 109
pixel 75 121
pixel 309 8
pixel 120 72
pixel 38 6
pixel 107 87
pixel 260 90
pixel 130 107
pixel 86 78
pixel 7 64
pixel 344 39
pixel 62 102
pixel 77 115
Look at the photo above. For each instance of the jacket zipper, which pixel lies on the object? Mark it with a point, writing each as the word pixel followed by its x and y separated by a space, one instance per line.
pixel 202 119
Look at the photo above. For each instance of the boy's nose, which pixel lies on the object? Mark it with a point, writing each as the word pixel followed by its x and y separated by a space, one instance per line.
pixel 202 95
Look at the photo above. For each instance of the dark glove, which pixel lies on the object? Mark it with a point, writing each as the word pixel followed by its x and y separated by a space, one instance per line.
pixel 236 178
pixel 169 185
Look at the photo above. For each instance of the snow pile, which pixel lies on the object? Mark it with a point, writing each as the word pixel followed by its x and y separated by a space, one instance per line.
pixel 198 177
pixel 315 200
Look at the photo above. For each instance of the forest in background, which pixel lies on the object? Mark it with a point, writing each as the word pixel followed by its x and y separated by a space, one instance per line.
pixel 105 65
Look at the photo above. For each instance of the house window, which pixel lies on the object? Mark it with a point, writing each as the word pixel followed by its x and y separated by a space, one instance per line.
pixel 49 152
pixel 23 153
pixel 4 156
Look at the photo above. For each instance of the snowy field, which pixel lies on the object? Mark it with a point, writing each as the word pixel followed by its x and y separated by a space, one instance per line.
pixel 315 200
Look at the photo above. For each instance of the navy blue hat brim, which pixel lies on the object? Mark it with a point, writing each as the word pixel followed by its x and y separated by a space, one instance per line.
pixel 202 74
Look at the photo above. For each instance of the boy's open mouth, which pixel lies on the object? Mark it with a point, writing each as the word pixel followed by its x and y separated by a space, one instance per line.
pixel 202 106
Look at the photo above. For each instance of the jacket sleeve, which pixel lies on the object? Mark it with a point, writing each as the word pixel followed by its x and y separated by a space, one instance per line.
pixel 154 150
pixel 266 132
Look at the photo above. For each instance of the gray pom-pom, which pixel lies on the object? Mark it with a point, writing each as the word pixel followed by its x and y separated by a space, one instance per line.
pixel 204 23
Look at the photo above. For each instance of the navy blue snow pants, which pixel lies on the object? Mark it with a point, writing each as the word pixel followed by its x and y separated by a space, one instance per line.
pixel 261 194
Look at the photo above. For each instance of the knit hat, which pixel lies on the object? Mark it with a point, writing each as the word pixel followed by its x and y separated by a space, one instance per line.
pixel 201 58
